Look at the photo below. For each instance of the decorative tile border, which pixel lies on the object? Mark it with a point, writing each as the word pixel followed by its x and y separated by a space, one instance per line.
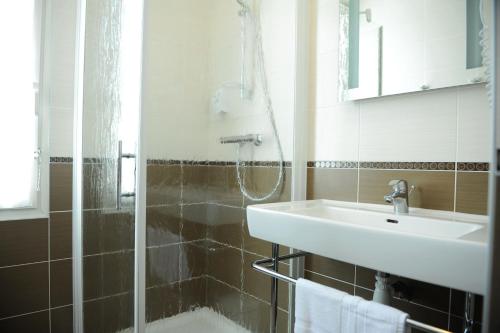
pixel 287 164
pixel 437 166
pixel 61 160
pixel 333 164
pixel 163 162
pixel 463 166
pixel 428 166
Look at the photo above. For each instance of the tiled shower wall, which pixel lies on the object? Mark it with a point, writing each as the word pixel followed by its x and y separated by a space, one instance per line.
pixel 212 224
pixel 199 250
pixel 198 253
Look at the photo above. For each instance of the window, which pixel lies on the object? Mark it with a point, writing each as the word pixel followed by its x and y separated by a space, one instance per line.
pixel 23 167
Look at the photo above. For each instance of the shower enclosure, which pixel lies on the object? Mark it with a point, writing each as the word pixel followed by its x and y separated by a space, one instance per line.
pixel 160 242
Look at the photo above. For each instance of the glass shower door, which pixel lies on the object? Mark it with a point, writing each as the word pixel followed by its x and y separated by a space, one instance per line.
pixel 107 136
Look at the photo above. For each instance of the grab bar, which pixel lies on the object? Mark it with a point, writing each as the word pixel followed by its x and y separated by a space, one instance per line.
pixel 263 265
pixel 256 139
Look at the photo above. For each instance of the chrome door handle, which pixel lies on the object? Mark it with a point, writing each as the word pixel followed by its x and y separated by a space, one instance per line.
pixel 119 164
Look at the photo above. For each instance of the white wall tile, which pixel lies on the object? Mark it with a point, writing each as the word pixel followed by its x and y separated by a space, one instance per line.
pixel 335 133
pixel 474 125
pixel 410 127
pixel 61 52
pixel 61 132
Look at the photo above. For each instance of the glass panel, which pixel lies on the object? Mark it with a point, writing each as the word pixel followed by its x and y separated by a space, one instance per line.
pixel 206 77
pixel 110 135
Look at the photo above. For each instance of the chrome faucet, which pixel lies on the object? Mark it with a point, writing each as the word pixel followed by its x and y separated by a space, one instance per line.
pixel 399 196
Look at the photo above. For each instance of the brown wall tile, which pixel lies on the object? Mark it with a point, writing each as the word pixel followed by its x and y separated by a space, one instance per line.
pixel 234 196
pixel 107 231
pixel 92 272
pixel 416 312
pixel 472 192
pixel 162 301
pixel 457 303
pixel 193 260
pixel 23 241
pixel 118 273
pixel 434 189
pixel 163 184
pixel 194 184
pixel 35 322
pixel 365 277
pixel 24 289
pixel 222 186
pixel 61 184
pixel 162 265
pixel 61 282
pixel 261 180
pixel 333 184
pixel 421 313
pixel 193 294
pixel 108 274
pixel 61 320
pixel 194 224
pixel 163 225
pixel 457 325
pixel 99 186
pixel 332 268
pixel 224 298
pixel 110 314
pixel 427 294
pixel 60 235
pixel 346 287
pixel 259 285
pixel 225 224
pixel 255 316
pixel 224 264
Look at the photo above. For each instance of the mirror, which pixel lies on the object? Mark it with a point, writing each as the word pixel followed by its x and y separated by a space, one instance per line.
pixel 397 46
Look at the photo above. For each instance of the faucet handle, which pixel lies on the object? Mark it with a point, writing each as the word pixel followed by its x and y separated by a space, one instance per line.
pixel 402 186
pixel 399 184
pixel 394 182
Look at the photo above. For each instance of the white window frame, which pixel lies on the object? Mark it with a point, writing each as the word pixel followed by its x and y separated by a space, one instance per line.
pixel 40 207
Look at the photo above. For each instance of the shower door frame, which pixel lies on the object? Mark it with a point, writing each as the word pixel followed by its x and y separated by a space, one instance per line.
pixel 77 204
pixel 300 131
pixel 77 181
pixel 298 179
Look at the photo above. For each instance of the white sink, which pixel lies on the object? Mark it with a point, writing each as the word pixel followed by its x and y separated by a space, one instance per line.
pixel 438 247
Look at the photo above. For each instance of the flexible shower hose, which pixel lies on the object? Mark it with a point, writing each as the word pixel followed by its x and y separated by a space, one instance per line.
pixel 270 113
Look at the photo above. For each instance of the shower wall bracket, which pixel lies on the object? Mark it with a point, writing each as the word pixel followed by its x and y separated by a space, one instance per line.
pixel 256 139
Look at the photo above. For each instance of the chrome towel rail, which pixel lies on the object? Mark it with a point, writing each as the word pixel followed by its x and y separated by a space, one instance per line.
pixel 263 266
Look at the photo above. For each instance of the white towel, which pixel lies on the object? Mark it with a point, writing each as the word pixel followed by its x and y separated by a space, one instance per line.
pixel 320 309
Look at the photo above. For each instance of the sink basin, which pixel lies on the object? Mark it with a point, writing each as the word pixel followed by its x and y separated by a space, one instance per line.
pixel 443 248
